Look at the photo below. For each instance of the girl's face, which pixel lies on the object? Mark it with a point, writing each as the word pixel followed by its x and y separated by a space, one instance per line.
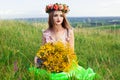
pixel 58 17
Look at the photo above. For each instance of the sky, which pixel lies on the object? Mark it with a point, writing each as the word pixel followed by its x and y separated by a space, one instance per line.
pixel 78 8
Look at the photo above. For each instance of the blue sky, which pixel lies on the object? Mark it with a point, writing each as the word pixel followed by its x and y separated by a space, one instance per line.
pixel 78 8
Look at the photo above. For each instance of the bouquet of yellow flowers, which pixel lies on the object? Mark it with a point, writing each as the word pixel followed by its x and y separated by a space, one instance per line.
pixel 56 57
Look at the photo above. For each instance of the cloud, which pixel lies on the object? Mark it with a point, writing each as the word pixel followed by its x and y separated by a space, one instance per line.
pixel 6 14
pixel 9 12
pixel 110 3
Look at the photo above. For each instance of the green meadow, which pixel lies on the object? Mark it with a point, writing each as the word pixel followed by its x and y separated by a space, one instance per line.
pixel 96 47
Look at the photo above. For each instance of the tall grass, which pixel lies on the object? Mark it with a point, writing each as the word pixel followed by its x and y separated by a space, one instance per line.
pixel 95 47
pixel 19 42
pixel 99 49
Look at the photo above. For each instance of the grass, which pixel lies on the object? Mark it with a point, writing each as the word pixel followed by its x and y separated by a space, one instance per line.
pixel 98 48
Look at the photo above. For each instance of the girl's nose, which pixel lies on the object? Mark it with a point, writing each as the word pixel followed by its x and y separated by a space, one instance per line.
pixel 59 17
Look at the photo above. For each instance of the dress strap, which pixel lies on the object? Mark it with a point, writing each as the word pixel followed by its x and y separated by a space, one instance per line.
pixel 68 35
pixel 47 36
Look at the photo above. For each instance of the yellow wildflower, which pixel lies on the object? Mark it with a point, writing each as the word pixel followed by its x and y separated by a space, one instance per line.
pixel 56 56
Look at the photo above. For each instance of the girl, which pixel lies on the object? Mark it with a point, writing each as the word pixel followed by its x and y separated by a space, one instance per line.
pixel 60 30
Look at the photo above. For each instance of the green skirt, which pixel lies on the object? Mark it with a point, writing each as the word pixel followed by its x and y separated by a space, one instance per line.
pixel 77 72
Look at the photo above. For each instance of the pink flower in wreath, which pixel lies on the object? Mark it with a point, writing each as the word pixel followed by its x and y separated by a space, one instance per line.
pixel 60 7
pixel 50 6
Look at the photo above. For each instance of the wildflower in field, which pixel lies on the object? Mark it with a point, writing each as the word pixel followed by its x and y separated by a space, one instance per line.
pixel 15 66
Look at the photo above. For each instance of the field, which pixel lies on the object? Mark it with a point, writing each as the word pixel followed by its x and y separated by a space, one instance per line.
pixel 96 47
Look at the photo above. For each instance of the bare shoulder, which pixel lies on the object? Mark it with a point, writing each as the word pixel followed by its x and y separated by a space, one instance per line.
pixel 71 31
pixel 45 31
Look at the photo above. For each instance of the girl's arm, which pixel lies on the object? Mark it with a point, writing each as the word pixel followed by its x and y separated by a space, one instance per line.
pixel 71 41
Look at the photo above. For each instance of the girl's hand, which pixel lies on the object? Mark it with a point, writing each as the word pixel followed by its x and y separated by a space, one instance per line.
pixel 38 62
pixel 35 59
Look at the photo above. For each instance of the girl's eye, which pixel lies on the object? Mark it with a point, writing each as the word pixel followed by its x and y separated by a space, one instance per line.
pixel 55 15
pixel 61 15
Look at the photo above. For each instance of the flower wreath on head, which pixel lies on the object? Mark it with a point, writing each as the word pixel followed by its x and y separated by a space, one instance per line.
pixel 57 7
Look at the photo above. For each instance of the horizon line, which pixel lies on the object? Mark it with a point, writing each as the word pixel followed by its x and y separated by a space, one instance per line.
pixel 47 17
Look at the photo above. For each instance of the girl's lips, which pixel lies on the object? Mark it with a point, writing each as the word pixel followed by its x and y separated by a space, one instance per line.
pixel 58 21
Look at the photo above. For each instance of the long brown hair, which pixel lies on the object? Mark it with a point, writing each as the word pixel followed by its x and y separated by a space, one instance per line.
pixel 65 23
